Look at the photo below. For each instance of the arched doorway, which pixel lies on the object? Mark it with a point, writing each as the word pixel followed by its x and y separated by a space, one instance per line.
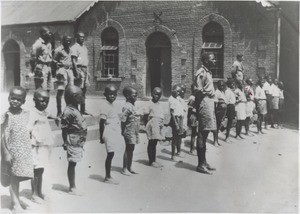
pixel 158 47
pixel 11 53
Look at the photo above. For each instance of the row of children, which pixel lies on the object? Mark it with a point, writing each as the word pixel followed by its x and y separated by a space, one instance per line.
pixel 26 142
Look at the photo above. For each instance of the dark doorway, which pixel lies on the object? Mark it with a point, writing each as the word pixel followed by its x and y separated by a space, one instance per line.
pixel 11 53
pixel 159 63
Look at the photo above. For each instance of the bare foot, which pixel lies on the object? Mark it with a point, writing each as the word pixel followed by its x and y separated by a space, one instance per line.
pixel 36 199
pixel 75 191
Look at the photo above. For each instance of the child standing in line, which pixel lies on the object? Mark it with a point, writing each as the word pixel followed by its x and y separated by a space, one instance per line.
pixel 220 108
pixel 130 123
pixel 192 120
pixel 261 104
pixel 176 122
pixel 274 106
pixel 231 100
pixel 185 109
pixel 155 125
pixel 74 132
pixel 281 103
pixel 240 108
pixel 15 144
pixel 41 140
pixel 110 129
pixel 250 105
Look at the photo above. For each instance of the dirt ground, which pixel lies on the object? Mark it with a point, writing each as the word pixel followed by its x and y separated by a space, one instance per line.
pixel 258 174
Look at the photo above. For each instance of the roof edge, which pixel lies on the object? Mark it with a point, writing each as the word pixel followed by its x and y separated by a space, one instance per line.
pixel 86 9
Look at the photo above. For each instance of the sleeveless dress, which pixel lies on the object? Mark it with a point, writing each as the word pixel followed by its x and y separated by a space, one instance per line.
pixel 18 143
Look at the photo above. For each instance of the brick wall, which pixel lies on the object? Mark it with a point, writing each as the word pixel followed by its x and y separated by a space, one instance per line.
pixel 182 22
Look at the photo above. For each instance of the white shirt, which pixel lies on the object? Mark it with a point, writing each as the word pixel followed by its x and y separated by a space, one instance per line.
pixel 274 90
pixel 220 95
pixel 266 87
pixel 260 93
pixel 176 105
pixel 230 96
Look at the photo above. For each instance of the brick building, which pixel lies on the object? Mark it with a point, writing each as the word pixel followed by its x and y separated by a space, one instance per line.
pixel 145 43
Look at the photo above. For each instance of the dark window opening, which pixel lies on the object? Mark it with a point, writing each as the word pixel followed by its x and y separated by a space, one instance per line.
pixel 213 41
pixel 110 52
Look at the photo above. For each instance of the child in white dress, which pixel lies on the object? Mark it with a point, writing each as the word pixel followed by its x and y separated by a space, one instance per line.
pixel 110 129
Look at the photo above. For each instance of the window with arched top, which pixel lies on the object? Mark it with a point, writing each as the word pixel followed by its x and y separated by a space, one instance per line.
pixel 213 41
pixel 110 53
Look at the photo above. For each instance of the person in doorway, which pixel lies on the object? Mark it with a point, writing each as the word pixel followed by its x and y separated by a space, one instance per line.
pixel 79 56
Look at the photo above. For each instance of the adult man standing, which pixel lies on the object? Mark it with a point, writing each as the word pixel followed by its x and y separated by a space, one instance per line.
pixel 238 68
pixel 79 56
pixel 204 98
pixel 41 58
pixel 64 74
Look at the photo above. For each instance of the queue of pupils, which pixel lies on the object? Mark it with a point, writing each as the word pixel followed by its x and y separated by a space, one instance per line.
pixel 26 144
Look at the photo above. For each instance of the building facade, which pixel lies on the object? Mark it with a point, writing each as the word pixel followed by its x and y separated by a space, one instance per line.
pixel 147 44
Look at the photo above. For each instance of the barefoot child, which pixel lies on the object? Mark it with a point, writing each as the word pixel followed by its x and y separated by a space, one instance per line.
pixel 15 144
pixel 41 140
pixel 110 129
pixel 231 100
pixel 130 129
pixel 250 105
pixel 240 108
pixel 176 122
pixel 155 124
pixel 281 104
pixel 74 132
pixel 220 108
pixel 261 104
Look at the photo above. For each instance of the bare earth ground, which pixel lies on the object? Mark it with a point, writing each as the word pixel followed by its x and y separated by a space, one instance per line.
pixel 258 174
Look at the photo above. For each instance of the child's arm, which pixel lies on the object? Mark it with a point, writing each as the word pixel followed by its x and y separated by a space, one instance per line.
pixel 173 118
pixel 56 119
pixel 65 137
pixel 101 129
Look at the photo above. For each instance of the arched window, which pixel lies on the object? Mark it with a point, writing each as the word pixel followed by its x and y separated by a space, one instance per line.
pixel 213 41
pixel 110 52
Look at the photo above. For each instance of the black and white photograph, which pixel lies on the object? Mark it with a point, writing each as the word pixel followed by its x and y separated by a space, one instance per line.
pixel 149 106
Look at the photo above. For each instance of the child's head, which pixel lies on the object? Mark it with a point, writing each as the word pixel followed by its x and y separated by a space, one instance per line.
pixel 276 82
pixel 230 84
pixel 261 82
pixel 208 59
pixel 130 94
pixel 156 94
pixel 221 85
pixel 16 98
pixel 183 90
pixel 41 99
pixel 176 90
pixel 110 93
pixel 269 79
pixel 73 95
pixel 249 81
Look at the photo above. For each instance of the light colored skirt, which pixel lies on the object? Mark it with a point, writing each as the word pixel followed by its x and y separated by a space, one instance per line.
pixel 112 137
pixel 240 109
pixel 40 156
pixel 275 103
pixel 154 129
pixel 262 107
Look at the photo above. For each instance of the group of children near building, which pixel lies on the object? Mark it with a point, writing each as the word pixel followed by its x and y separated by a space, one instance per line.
pixel 26 135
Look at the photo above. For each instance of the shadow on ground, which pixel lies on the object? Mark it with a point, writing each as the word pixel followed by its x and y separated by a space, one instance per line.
pixel 60 187
pixel 97 177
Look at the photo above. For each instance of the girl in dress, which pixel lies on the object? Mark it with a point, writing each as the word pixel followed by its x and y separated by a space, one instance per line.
pixel 15 144
pixel 110 129
pixel 155 125
pixel 240 108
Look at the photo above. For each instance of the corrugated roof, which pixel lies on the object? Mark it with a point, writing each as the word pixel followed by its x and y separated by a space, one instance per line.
pixel 29 12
